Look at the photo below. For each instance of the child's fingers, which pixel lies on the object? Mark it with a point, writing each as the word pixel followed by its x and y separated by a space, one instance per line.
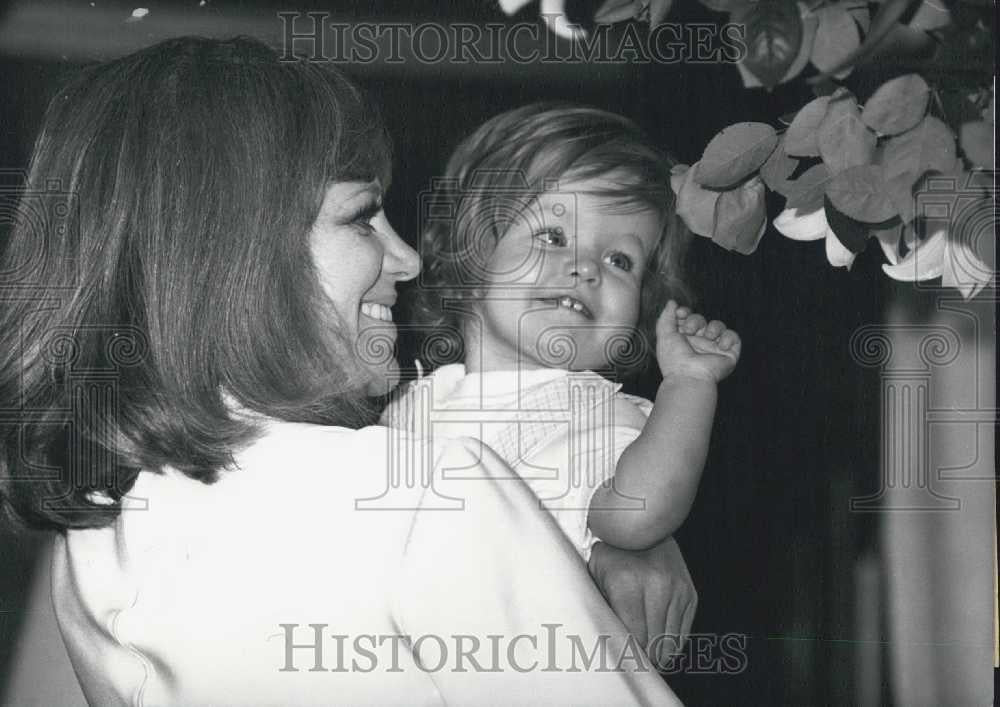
pixel 730 341
pixel 714 329
pixel 667 321
pixel 693 324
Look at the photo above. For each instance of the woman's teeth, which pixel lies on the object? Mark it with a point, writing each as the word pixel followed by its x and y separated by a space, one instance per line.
pixel 376 311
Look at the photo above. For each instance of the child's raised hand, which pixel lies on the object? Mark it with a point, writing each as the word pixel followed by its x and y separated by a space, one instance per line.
pixel 688 345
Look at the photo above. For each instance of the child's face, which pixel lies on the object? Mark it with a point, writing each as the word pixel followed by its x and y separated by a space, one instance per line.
pixel 564 281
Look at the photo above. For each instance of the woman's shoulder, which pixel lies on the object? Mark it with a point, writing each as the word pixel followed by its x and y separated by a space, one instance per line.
pixel 432 388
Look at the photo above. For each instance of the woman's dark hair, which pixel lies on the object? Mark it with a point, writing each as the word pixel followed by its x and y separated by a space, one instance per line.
pixel 491 180
pixel 157 293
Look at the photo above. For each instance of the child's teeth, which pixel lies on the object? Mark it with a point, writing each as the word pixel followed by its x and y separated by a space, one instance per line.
pixel 570 303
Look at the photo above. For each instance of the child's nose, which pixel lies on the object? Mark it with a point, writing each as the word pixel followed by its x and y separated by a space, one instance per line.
pixel 586 269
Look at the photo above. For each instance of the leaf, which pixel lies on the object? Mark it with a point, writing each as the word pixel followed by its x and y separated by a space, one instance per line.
pixel 801 137
pixel 924 262
pixel 724 5
pixel 973 216
pixel 859 192
pixel 613 11
pixel 749 80
pixel 897 105
pixel 773 35
pixel 659 9
pixel 860 15
pixel 930 15
pixel 969 261
pixel 930 145
pixel 882 24
pixel 512 7
pixel 802 226
pixel 837 37
pixel 776 170
pixel 554 17
pixel 695 204
pixel 741 217
pixel 899 190
pixel 844 141
pixel 888 238
pixel 850 232
pixel 980 181
pixel 809 24
pixel 807 193
pixel 976 139
pixel 936 199
pixel 953 276
pixel 734 153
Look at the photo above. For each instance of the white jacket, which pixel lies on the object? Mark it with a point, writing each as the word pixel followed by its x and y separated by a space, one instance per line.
pixel 427 591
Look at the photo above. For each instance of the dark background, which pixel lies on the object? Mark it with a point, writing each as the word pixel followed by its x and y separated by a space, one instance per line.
pixel 770 542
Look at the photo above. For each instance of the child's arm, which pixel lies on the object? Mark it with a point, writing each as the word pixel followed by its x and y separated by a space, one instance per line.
pixel 664 464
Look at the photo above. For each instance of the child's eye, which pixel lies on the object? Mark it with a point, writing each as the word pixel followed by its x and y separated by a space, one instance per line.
pixel 619 260
pixel 552 236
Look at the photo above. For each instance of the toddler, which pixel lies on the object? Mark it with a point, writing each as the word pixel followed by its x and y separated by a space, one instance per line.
pixel 551 263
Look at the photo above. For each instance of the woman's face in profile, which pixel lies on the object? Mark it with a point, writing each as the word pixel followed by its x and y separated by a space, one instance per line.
pixel 359 259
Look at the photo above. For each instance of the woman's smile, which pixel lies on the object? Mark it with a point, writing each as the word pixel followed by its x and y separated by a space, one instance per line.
pixel 359 258
pixel 374 310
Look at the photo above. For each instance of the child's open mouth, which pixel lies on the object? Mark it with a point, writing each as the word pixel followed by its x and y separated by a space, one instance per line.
pixel 567 302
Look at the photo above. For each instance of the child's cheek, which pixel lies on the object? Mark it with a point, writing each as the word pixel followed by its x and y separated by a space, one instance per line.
pixel 626 306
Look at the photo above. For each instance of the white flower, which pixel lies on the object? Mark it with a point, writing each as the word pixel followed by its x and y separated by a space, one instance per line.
pixel 922 263
pixel 553 13
pixel 813 226
pixel 802 227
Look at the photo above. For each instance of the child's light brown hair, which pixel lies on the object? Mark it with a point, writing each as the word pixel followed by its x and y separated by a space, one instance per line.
pixel 514 157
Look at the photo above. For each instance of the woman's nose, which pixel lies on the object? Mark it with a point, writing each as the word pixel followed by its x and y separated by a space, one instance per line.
pixel 401 261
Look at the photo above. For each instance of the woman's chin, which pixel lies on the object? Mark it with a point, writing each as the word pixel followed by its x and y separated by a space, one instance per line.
pixel 382 380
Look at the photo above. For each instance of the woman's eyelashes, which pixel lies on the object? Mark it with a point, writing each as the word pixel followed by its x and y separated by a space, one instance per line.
pixel 363 216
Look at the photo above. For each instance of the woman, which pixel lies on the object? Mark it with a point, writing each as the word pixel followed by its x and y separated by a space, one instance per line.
pixel 198 298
